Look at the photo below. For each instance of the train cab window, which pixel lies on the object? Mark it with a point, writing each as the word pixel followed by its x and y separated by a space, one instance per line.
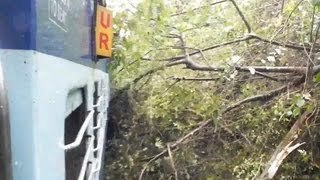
pixel 76 114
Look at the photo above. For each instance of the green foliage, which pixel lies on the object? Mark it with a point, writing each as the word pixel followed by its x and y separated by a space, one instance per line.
pixel 238 144
pixel 317 78
pixel 249 169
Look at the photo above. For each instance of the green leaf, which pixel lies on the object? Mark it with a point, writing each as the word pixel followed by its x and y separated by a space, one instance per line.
pixel 296 112
pixel 317 78
pixel 310 108
pixel 159 143
pixel 301 102
pixel 316 2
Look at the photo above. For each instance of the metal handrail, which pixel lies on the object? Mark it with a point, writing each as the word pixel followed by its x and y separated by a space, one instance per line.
pixel 99 102
pixel 88 127
pixel 99 119
pixel 5 138
pixel 81 132
pixel 93 171
pixel 97 164
pixel 86 159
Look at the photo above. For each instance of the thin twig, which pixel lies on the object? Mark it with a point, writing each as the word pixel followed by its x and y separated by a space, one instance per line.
pixel 146 82
pixel 241 39
pixel 312 49
pixel 312 22
pixel 262 69
pixel 172 162
pixel 174 145
pixel 284 148
pixel 264 97
pixel 287 20
pixel 190 64
pixel 241 15
pixel 195 79
pixel 267 76
pixel 133 6
pixel 282 6
pixel 310 63
pixel 176 81
pixel 291 46
pixel 308 56
pixel 218 78
pixel 195 9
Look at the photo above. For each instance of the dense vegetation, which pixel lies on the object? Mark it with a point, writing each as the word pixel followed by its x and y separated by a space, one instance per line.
pixel 216 89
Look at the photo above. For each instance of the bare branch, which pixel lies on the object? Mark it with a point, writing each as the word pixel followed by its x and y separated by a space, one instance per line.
pixel 241 15
pixel 133 6
pixel 274 166
pixel 174 145
pixel 284 148
pixel 195 79
pixel 267 76
pixel 241 39
pixel 195 9
pixel 245 38
pixel 291 46
pixel 278 77
pixel 311 57
pixel 274 78
pixel 197 27
pixel 282 6
pixel 312 23
pixel 151 71
pixel 176 81
pixel 264 97
pixel 194 66
pixel 288 18
pixel 315 40
pixel 268 69
pixel 171 36
pixel 172 162
pixel 308 55
pixel 159 68
pixel 258 98
pixel 174 63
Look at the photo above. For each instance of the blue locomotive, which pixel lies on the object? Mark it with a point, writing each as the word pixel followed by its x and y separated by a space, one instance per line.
pixel 54 90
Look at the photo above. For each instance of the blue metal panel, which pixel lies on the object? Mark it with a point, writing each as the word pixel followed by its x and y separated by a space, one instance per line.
pixel 61 28
pixel 18 76
pixel 17 24
pixel 38 87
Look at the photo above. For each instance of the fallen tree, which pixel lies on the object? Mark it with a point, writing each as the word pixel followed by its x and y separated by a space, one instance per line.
pixel 190 73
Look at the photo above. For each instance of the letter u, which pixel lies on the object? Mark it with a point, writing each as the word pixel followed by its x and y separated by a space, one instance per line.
pixel 103 22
